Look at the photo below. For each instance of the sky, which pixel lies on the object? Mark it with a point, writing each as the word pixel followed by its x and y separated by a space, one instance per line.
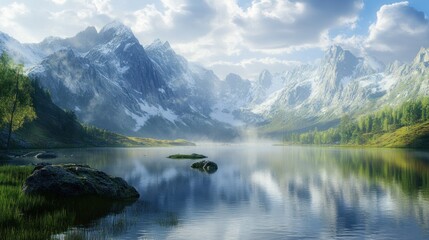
pixel 239 36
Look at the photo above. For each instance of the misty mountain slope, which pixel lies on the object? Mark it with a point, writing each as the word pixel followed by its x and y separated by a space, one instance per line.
pixel 220 100
pixel 116 86
pixel 191 83
pixel 111 81
pixel 21 53
pixel 82 42
pixel 408 81
pixel 341 84
pixel 56 128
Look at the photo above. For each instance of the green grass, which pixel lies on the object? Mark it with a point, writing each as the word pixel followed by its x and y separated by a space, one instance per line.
pixel 39 137
pixel 150 142
pixel 187 156
pixel 27 217
pixel 415 136
pixel 39 217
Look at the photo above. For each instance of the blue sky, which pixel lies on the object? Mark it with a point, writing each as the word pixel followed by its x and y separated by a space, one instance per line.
pixel 240 36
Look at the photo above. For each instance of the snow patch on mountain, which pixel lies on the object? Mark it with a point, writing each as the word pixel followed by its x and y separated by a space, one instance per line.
pixel 158 111
pixel 147 111
pixel 266 106
pixel 222 114
pixel 140 119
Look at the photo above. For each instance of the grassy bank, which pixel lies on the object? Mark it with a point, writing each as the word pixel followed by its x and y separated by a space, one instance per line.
pixel 27 217
pixel 38 217
pixel 412 136
pixel 415 136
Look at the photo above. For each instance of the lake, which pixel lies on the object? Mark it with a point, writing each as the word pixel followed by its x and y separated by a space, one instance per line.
pixel 264 192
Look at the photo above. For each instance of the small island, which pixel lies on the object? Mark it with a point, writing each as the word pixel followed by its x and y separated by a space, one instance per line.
pixel 187 156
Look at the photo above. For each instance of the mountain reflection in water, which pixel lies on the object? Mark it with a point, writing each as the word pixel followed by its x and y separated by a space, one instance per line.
pixel 267 192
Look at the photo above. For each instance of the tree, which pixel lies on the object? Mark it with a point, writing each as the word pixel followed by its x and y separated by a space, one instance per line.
pixel 16 105
pixel 346 129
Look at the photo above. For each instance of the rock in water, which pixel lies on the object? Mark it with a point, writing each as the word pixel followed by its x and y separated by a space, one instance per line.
pixel 75 180
pixel 207 166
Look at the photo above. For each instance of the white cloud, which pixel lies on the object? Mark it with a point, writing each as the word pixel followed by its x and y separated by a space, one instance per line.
pixel 280 24
pixel 219 34
pixel 354 44
pixel 8 20
pixel 398 33
pixel 59 2
pixel 10 12
pixel 181 20
pixel 209 31
pixel 101 6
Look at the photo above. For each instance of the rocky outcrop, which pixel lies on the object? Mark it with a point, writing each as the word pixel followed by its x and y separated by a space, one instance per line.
pixel 206 166
pixel 75 180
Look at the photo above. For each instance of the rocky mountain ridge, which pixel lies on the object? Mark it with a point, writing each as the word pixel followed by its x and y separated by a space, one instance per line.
pixel 112 81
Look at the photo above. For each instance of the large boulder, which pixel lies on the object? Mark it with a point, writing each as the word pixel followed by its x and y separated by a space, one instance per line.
pixel 75 180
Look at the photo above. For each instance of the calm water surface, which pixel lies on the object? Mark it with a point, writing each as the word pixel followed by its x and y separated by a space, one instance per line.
pixel 265 192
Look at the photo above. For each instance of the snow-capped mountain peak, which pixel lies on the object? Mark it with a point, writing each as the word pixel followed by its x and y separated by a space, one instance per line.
pixel 265 79
pixel 336 56
pixel 160 46
pixel 118 84
pixel 422 56
pixel 116 28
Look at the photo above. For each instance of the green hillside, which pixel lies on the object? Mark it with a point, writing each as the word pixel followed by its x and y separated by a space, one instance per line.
pixel 415 136
pixel 27 111
pixel 404 126
pixel 55 128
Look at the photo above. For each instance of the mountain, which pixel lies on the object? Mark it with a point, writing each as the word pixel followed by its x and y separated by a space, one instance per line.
pixel 113 82
pixel 54 128
pixel 408 81
pixel 108 79
pixel 233 95
pixel 191 83
pixel 82 42
pixel 21 53
pixel 341 84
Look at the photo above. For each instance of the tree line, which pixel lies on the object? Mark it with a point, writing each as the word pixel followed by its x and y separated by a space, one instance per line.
pixel 360 130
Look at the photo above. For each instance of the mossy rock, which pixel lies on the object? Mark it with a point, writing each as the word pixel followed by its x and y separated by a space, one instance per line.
pixel 76 180
pixel 205 166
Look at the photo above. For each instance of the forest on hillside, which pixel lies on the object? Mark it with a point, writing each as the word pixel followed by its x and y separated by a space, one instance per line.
pixel 364 128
